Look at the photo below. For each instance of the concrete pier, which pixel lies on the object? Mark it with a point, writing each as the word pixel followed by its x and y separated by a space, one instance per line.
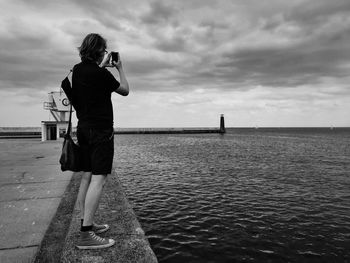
pixel 131 244
pixel 32 188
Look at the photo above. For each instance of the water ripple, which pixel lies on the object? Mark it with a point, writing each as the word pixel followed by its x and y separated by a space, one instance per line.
pixel 240 197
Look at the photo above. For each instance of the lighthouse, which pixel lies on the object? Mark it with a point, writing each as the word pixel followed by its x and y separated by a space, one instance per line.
pixel 222 124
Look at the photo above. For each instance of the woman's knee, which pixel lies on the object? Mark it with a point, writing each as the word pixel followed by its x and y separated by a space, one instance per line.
pixel 99 179
pixel 86 176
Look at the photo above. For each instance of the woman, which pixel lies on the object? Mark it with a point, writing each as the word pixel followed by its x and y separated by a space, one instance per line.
pixel 92 86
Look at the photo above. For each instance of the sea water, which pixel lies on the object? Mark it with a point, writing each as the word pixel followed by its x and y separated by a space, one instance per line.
pixel 251 195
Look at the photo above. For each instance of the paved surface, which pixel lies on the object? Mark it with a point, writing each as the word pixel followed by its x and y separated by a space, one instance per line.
pixel 31 188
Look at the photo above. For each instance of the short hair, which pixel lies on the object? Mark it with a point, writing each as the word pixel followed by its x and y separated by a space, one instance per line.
pixel 91 47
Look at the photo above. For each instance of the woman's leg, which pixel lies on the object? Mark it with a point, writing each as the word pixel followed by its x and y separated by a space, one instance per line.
pixel 84 185
pixel 88 238
pixel 92 198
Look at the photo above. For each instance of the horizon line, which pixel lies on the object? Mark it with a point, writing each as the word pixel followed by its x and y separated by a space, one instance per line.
pixel 196 127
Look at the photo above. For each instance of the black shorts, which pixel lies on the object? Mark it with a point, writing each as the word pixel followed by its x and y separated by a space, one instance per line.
pixel 97 149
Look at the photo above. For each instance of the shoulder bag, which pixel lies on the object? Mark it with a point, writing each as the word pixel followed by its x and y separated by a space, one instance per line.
pixel 70 156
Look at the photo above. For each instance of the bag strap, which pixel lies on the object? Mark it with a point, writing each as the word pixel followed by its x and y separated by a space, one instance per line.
pixel 70 120
pixel 70 71
pixel 70 111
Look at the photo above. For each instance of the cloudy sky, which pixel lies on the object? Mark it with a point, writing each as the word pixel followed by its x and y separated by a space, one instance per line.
pixel 259 62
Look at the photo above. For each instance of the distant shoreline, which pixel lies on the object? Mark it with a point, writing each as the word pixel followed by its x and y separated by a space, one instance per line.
pixel 38 129
pixel 35 132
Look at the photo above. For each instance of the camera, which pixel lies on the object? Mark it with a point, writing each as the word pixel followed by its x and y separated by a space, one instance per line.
pixel 115 56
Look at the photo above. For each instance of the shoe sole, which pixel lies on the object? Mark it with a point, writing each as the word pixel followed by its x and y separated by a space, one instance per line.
pixel 102 230
pixel 97 247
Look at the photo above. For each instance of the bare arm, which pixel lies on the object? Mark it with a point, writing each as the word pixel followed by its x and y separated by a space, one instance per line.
pixel 124 85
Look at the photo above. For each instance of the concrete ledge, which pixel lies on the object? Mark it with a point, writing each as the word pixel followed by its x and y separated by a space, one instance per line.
pixel 51 245
pixel 115 210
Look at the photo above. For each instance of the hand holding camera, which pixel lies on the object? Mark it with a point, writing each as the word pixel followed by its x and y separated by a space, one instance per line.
pixel 116 59
pixel 111 60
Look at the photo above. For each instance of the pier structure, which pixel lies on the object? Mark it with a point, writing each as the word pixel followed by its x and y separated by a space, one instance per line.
pixel 39 221
pixel 195 130
pixel 52 130
pixel 59 107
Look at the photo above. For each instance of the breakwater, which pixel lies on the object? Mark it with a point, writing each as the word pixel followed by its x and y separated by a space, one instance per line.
pixel 35 132
pixel 20 132
pixel 165 130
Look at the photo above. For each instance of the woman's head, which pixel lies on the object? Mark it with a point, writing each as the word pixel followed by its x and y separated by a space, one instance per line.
pixel 93 48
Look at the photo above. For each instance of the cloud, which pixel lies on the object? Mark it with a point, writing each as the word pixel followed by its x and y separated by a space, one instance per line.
pixel 291 66
pixel 148 66
pixel 188 42
pixel 172 44
pixel 317 12
pixel 158 13
pixel 170 47
pixel 306 61
pixel 105 12
pixel 28 61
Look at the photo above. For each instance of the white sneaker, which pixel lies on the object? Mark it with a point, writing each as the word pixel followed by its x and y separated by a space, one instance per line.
pixel 89 240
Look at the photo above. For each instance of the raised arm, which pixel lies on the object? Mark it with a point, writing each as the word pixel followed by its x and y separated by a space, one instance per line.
pixel 123 88
pixel 124 85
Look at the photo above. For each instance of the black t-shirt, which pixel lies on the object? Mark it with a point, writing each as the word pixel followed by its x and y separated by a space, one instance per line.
pixel 92 87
